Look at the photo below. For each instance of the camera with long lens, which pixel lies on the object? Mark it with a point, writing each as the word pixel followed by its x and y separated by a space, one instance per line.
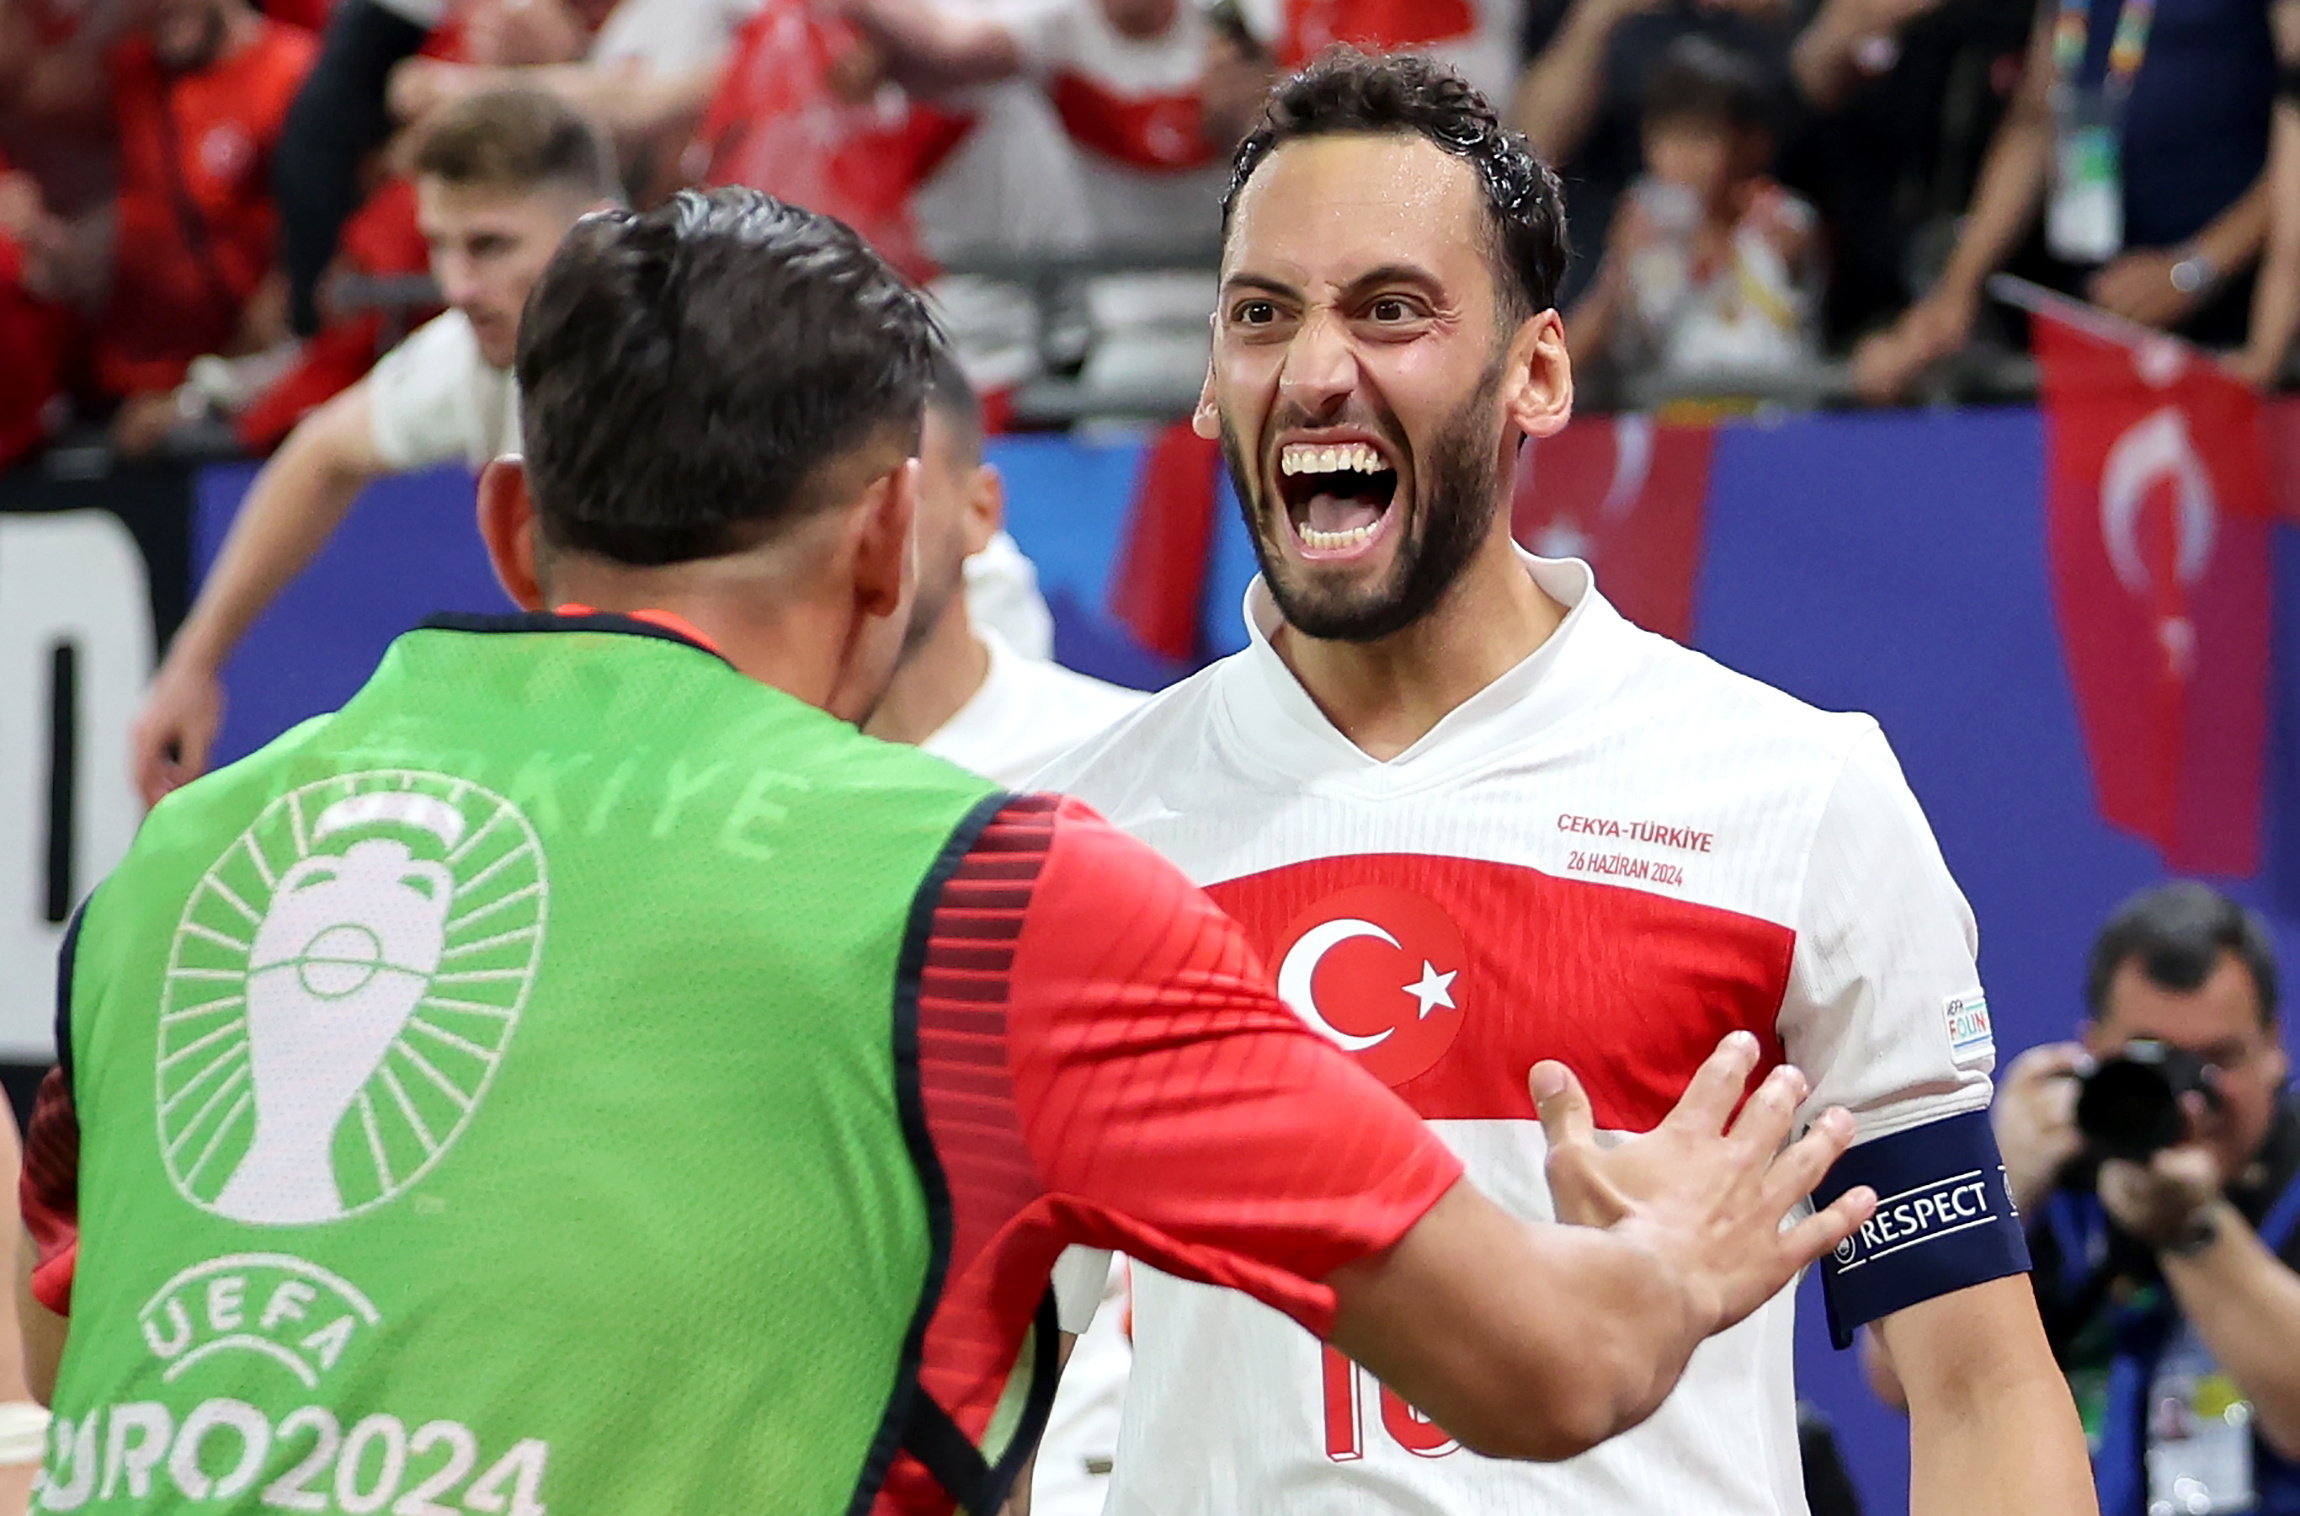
pixel 2130 1105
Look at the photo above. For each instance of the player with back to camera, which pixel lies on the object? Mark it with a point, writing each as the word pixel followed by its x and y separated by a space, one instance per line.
pixel 785 1059
pixel 962 692
pixel 1470 817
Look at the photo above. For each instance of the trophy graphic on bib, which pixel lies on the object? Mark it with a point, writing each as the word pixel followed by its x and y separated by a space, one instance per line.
pixel 342 957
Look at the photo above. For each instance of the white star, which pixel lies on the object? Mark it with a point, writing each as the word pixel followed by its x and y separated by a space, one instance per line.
pixel 1434 989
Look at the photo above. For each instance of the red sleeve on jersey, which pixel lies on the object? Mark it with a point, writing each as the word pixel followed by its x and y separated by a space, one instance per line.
pixel 1100 1061
pixel 49 1192
pixel 1177 1109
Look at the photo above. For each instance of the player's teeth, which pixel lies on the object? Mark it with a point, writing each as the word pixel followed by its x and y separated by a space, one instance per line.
pixel 1348 457
pixel 1327 541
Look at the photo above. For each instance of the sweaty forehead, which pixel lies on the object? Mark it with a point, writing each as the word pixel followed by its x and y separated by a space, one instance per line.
pixel 1322 210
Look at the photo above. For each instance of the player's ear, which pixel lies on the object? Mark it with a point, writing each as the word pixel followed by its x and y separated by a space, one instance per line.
pixel 885 546
pixel 985 507
pixel 507 526
pixel 1206 420
pixel 1537 386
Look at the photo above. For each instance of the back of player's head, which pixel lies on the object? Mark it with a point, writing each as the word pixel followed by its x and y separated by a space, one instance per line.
pixel 2176 934
pixel 951 395
pixel 690 374
pixel 517 141
pixel 1345 92
pixel 1702 82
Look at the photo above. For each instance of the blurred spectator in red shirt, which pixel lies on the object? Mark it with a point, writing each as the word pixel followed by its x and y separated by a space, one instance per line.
pixel 801 115
pixel 646 73
pixel 200 98
pixel 33 329
pixel 56 96
pixel 1123 77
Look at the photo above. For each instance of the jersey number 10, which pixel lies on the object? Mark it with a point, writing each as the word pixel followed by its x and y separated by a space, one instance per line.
pixel 1345 1386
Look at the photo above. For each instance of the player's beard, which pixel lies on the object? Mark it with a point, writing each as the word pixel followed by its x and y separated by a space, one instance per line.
pixel 1457 492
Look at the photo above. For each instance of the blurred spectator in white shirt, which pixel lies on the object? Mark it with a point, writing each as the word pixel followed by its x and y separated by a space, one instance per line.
pixel 646 77
pixel 1711 266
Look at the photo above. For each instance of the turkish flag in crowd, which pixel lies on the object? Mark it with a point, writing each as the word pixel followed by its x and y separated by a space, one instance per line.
pixel 2157 511
pixel 2280 433
pixel 1159 582
pixel 1625 494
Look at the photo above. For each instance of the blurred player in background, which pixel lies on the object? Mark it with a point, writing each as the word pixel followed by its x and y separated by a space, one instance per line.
pixel 1470 816
pixel 962 692
pixel 831 1044
pixel 499 179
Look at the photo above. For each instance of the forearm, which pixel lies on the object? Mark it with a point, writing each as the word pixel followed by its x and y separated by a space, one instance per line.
pixel 2013 182
pixel 2233 240
pixel 2022 1451
pixel 628 99
pixel 1991 1423
pixel 1452 1319
pixel 42 1330
pixel 294 506
pixel 937 48
pixel 1822 60
pixel 2276 295
pixel 1556 98
pixel 2245 1304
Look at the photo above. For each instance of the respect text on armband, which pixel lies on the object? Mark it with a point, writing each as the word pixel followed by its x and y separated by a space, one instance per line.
pixel 1918 1216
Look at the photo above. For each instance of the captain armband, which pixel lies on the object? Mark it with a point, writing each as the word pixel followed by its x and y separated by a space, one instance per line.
pixel 1944 1221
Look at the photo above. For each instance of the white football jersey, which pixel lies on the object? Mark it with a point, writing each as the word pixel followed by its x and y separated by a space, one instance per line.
pixel 1613 855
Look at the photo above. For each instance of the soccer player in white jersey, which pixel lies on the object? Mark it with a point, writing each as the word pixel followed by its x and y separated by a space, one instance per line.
pixel 962 692
pixel 1474 819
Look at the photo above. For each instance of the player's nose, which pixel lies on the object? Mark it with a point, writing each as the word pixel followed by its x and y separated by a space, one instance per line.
pixel 1321 367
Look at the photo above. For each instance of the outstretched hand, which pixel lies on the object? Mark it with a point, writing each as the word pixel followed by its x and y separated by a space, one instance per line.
pixel 1710 1198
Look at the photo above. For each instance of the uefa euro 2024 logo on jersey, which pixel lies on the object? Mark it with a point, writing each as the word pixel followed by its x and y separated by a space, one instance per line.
pixel 343 984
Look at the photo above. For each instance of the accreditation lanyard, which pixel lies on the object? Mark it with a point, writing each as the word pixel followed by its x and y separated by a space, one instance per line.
pixel 2072 29
pixel 2144 1329
pixel 2084 220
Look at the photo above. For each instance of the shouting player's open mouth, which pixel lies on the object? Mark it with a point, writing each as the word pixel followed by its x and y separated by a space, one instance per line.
pixel 1338 493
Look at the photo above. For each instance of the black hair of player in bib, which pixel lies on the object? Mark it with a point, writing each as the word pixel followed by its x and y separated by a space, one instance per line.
pixel 688 374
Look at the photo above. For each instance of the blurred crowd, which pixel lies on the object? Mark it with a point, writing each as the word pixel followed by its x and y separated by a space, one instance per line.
pixel 215 217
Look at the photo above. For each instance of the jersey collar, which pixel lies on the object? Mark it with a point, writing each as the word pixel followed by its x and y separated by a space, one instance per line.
pixel 662 626
pixel 1574 668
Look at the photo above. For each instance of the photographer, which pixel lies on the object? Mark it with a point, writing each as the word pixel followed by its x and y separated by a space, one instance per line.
pixel 2158 1166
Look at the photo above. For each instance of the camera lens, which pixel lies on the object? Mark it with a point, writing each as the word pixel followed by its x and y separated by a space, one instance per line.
pixel 2129 1107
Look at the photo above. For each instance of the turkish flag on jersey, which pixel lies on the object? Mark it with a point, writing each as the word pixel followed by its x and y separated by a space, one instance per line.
pixel 2157 502
pixel 780 123
pixel 1626 495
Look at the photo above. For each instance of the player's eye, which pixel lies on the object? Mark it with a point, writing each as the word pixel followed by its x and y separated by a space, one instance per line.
pixel 1389 309
pixel 1254 312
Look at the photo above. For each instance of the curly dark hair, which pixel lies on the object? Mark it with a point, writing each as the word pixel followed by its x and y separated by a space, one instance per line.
pixel 1346 92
